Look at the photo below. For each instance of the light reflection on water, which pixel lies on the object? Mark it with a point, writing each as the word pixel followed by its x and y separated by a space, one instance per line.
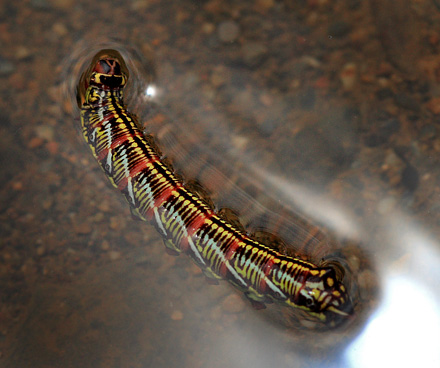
pixel 404 331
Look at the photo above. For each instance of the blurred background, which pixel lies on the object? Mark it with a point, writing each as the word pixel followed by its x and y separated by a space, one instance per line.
pixel 311 119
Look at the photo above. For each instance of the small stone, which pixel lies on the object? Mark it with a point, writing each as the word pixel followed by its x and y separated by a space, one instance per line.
pixel 114 255
pixel 386 205
pixel 65 5
pixel 60 29
pixel 116 223
pixel 391 159
pixel 98 217
pixel 233 304
pixel 105 245
pixel 22 53
pixel 45 132
pixel 52 147
pixel 41 250
pixel 177 315
pixel 348 76
pixel 17 185
pixel 140 5
pixel 264 5
pixel 228 31
pixel 83 228
pixel 6 67
pixel 253 53
pixel 266 99
pixel 311 61
pixel 35 142
pixel 208 28
pixel 433 105
pixel 47 203
pixel 104 206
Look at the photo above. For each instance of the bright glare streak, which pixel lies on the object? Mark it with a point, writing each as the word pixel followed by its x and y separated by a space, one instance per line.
pixel 330 213
pixel 404 333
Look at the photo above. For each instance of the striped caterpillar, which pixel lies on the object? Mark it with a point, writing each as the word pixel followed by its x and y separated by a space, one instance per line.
pixel 186 222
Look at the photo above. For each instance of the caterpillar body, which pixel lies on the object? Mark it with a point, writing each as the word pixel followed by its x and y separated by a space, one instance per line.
pixel 186 222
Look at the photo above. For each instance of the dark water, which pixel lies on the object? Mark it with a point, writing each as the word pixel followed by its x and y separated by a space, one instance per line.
pixel 315 109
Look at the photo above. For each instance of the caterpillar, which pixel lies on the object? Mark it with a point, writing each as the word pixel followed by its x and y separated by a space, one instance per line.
pixel 223 250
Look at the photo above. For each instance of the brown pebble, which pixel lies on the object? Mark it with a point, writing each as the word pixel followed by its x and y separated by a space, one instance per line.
pixel 263 6
pixel 60 29
pixel 233 304
pixel 228 31
pixel 17 80
pixel 177 315
pixel 105 245
pixel 208 28
pixel 116 223
pixel 41 250
pixel 22 53
pixel 45 132
pixel 47 203
pixel 433 105
pixel 83 228
pixel 114 255
pixel 348 76
pixel 35 142
pixel 52 147
pixel 17 185
pixel 63 4
pixel 253 53
pixel 104 206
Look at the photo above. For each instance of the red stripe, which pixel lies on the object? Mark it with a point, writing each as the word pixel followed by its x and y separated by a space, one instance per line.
pixel 266 270
pixel 149 213
pixel 141 165
pixel 159 201
pixel 230 252
pixel 123 138
pixel 103 154
pixel 123 183
pixel 193 227
pixel 165 195
pixel 197 223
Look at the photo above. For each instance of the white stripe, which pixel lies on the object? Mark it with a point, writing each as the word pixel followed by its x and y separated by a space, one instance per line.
pixel 159 222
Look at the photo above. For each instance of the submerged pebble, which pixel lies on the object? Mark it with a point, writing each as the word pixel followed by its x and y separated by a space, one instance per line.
pixel 6 67
pixel 233 304
pixel 228 31
pixel 254 53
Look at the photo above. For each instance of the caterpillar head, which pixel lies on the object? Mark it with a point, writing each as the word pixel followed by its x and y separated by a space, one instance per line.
pixel 324 296
pixel 107 72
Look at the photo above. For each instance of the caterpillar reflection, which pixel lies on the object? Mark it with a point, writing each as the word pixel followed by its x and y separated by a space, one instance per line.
pixel 187 223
